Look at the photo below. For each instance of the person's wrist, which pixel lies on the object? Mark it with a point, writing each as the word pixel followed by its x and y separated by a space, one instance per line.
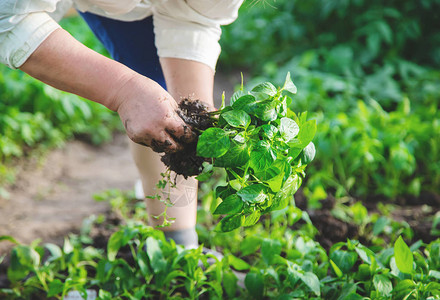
pixel 114 97
pixel 133 86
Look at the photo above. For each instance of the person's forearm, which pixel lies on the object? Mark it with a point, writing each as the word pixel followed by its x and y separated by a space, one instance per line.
pixel 188 78
pixel 66 64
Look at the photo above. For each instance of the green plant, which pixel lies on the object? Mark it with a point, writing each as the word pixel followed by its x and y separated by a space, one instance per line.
pixel 278 261
pixel 148 268
pixel 264 148
pixel 340 52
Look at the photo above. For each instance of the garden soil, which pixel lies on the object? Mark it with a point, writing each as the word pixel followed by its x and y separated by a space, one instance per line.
pixel 51 198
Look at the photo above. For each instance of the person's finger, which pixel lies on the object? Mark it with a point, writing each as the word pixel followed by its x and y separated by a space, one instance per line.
pixel 163 142
pixel 179 130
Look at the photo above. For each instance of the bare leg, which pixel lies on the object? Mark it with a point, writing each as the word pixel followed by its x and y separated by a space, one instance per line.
pixel 184 196
pixel 184 78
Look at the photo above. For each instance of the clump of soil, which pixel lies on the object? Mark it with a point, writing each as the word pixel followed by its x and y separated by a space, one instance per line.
pixel 186 162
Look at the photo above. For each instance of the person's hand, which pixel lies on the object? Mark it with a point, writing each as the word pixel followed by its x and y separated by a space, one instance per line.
pixel 148 113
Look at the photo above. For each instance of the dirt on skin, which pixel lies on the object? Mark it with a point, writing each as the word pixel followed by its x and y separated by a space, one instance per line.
pixel 186 162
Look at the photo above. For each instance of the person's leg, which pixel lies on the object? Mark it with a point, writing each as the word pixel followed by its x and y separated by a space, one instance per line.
pixel 132 43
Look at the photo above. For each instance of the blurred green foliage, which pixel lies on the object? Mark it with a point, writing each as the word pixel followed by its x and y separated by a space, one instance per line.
pixel 362 33
pixel 34 115
pixel 385 53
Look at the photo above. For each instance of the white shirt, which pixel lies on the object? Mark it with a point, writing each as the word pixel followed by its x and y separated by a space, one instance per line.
pixel 187 29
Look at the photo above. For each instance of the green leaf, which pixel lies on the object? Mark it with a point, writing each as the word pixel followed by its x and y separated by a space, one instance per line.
pixel 157 260
pixel 237 156
pixel 142 261
pixel 269 173
pixel 345 260
pixel 55 251
pixel 240 138
pixel 255 193
pixel 238 263
pixel 114 244
pixel 262 156
pixel 252 219
pixel 204 176
pixel 365 254
pixel 213 142
pixel 285 194
pixel 282 107
pixel 336 269
pixel 404 288
pixel 276 182
pixel 288 129
pixel 231 222
pixel 380 225
pixel 434 274
pixel 231 205
pixel 270 249
pixel 23 260
pixel 404 257
pixel 254 283
pixel 312 281
pixel 265 110
pixel 237 95
pixel 288 85
pixel 250 245
pixel 266 88
pixel 8 238
pixel 173 275
pixel 105 295
pixel 352 296
pixel 223 192
pixel 56 288
pixel 433 288
pixel 237 118
pixel 230 284
pixel 245 103
pixel 382 284
pixel 206 173
pixel 268 131
pixel 305 136
pixel 307 132
pixel 308 153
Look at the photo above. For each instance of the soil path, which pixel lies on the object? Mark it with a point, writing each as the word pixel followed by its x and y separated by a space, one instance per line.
pixel 51 199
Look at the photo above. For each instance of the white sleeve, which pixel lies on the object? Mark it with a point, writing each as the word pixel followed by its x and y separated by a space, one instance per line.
pixel 24 25
pixel 191 29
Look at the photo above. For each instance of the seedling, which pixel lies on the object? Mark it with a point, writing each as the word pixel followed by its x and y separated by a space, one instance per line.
pixel 264 148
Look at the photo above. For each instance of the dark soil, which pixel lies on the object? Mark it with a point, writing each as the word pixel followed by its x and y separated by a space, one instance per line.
pixel 418 212
pixel 186 162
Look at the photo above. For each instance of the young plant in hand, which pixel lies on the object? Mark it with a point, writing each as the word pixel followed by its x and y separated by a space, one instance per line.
pixel 264 148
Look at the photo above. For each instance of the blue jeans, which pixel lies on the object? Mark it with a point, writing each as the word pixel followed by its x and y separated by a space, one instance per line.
pixel 130 43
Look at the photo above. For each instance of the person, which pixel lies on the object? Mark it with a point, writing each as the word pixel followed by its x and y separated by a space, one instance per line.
pixel 162 50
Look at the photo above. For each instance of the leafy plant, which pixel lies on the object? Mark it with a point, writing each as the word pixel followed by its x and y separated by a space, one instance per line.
pixel 385 54
pixel 276 260
pixel 264 148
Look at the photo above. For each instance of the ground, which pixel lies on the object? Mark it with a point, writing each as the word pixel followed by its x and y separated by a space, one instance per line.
pixel 51 198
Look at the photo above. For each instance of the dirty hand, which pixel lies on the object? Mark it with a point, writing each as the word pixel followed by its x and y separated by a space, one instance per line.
pixel 148 113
